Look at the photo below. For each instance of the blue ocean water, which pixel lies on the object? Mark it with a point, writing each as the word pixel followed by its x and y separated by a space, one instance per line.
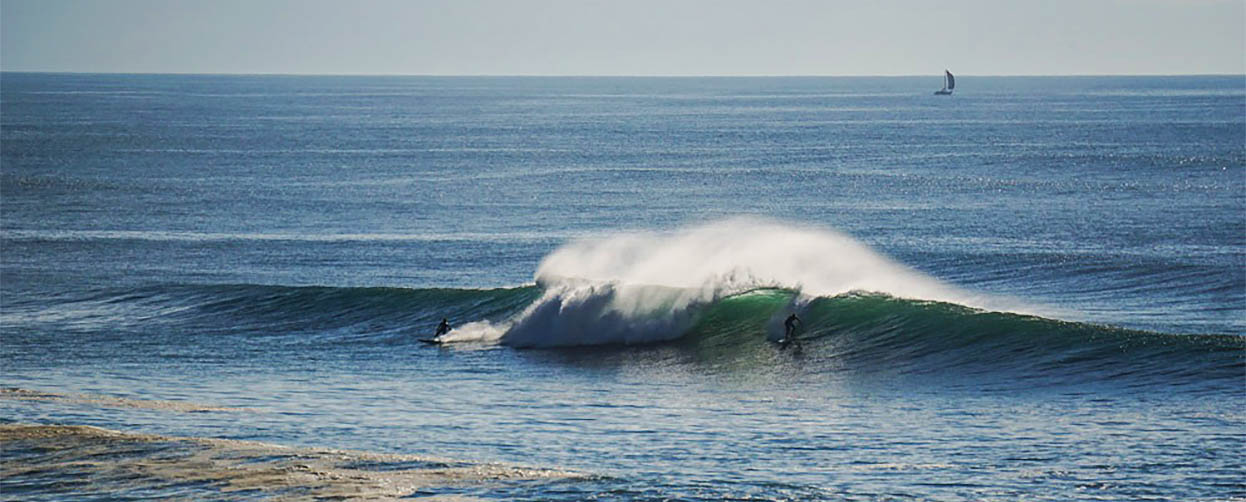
pixel 1032 289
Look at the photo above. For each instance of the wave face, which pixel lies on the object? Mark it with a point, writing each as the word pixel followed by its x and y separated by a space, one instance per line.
pixel 873 332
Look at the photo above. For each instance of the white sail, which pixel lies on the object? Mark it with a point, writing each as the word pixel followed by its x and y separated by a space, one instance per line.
pixel 949 82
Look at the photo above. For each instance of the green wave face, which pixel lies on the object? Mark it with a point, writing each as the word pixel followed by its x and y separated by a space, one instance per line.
pixel 757 313
pixel 882 335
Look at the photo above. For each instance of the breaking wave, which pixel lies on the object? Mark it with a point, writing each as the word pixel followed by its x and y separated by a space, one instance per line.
pixel 649 287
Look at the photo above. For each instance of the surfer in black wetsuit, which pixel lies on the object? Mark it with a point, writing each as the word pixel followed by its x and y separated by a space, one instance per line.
pixel 789 329
pixel 442 328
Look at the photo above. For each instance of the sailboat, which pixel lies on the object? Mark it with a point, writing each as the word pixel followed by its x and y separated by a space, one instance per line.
pixel 949 83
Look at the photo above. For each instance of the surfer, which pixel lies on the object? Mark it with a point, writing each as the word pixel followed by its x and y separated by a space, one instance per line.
pixel 789 328
pixel 442 328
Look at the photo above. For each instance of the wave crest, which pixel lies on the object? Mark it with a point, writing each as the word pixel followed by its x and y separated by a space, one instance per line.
pixel 643 287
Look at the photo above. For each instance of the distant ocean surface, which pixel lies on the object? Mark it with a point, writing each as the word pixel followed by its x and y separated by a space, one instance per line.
pixel 212 288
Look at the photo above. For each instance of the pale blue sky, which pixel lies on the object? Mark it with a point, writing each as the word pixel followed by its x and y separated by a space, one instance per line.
pixel 626 37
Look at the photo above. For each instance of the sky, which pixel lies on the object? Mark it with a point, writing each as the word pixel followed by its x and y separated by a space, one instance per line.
pixel 626 37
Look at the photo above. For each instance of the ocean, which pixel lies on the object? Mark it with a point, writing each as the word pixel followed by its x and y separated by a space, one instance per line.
pixel 213 287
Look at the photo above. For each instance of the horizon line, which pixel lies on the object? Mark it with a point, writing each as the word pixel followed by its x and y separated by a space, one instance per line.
pixel 537 75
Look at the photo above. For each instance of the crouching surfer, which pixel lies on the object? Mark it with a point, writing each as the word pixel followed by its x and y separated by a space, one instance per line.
pixel 790 325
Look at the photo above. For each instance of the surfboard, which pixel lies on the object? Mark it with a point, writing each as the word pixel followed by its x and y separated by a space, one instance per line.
pixel 793 340
pixel 430 341
pixel 789 345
